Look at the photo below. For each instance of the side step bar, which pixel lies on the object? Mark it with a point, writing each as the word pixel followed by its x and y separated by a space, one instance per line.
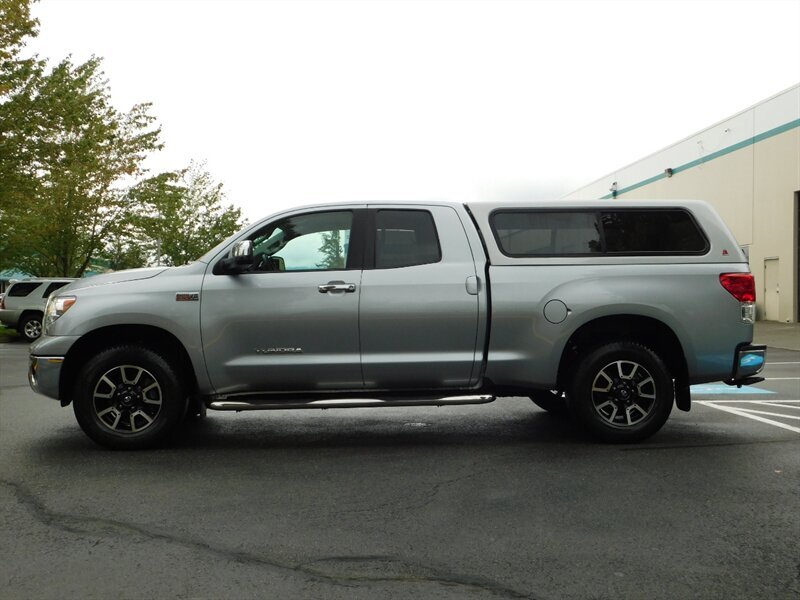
pixel 275 404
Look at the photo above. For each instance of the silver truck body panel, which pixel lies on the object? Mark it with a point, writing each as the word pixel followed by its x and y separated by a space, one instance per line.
pixel 147 298
pixel 419 324
pixel 525 348
pixel 276 331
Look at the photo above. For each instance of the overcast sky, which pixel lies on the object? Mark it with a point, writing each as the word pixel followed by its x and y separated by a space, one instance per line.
pixel 301 102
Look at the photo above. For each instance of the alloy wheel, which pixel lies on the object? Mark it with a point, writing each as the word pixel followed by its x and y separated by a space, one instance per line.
pixel 127 399
pixel 623 393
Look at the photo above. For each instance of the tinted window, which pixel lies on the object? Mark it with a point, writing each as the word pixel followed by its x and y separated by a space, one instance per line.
pixel 551 233
pixel 404 238
pixel 24 288
pixel 668 231
pixel 312 242
pixel 547 233
pixel 53 287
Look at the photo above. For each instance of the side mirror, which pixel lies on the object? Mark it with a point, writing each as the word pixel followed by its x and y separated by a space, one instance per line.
pixel 242 252
pixel 240 257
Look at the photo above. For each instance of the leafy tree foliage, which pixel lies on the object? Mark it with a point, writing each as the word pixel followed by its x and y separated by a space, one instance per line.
pixel 180 215
pixel 16 75
pixel 72 184
pixel 76 152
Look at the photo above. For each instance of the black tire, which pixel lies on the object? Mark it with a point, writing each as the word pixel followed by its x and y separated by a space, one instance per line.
pixel 622 392
pixel 128 397
pixel 30 327
pixel 553 402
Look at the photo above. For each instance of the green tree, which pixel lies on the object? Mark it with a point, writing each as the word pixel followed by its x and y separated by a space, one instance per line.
pixel 80 152
pixel 16 77
pixel 181 215
pixel 72 185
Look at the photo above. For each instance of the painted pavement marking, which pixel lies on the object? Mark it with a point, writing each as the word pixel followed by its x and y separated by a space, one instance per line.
pixel 754 414
pixel 712 389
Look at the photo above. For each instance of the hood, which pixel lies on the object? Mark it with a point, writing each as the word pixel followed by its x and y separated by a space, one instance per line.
pixel 116 277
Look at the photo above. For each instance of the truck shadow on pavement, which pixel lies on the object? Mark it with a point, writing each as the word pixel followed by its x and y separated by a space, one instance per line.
pixel 346 432
pixel 313 430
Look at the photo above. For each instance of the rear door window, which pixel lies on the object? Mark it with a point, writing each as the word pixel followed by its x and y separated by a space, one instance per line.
pixel 405 238
pixel 23 288
pixel 53 287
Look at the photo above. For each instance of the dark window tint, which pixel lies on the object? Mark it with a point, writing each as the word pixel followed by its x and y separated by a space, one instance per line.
pixel 547 233
pixel 404 238
pixel 24 288
pixel 53 287
pixel 666 231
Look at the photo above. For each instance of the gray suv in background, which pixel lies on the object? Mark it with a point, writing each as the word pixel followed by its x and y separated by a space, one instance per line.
pixel 22 306
pixel 606 310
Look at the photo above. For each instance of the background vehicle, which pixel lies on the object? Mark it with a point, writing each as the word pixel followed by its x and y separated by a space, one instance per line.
pixel 616 307
pixel 22 306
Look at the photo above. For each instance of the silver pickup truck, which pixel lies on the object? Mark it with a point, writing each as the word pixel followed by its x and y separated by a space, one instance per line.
pixel 606 310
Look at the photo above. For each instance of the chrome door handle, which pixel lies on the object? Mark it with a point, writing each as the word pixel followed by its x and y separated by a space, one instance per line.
pixel 337 286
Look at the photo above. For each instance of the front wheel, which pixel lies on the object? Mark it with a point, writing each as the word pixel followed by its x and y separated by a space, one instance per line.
pixel 622 392
pixel 128 397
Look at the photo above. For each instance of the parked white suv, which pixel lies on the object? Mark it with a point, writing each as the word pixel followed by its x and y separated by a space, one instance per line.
pixel 22 306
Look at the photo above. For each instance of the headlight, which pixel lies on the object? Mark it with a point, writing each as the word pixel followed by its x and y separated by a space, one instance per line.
pixel 56 306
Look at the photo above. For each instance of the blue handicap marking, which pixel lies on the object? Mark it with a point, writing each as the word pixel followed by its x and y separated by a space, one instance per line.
pixel 721 389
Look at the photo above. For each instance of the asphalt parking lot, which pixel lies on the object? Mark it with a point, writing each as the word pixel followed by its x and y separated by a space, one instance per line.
pixel 494 501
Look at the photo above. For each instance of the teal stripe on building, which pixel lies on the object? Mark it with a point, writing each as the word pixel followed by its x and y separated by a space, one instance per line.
pixel 714 155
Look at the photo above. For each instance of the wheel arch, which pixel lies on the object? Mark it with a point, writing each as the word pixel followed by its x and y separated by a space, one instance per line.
pixel 644 330
pixel 147 336
pixel 31 311
pixel 27 313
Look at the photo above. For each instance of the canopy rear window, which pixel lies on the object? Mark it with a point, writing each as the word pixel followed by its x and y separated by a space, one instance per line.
pixel 592 233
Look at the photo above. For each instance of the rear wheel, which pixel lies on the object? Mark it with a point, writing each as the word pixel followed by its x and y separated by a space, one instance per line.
pixel 30 327
pixel 622 392
pixel 128 397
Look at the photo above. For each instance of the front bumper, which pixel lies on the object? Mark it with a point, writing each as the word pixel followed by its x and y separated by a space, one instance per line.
pixel 44 374
pixel 749 361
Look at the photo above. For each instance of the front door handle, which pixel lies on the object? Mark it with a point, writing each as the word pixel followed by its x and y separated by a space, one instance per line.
pixel 337 286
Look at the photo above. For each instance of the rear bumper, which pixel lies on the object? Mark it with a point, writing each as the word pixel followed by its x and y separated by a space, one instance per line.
pixel 44 374
pixel 9 317
pixel 749 361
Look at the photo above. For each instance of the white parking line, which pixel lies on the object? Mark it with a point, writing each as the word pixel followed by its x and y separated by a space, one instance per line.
pixel 782 378
pixel 749 401
pixel 770 414
pixel 778 404
pixel 747 413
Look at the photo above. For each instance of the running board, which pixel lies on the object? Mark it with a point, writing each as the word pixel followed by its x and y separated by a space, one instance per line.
pixel 274 404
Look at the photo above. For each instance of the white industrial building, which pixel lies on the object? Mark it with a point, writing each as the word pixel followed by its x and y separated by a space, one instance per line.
pixel 748 167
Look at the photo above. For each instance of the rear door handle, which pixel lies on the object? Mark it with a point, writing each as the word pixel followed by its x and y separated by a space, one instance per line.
pixel 337 286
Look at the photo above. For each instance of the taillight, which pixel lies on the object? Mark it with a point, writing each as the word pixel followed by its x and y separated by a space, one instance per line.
pixel 741 286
